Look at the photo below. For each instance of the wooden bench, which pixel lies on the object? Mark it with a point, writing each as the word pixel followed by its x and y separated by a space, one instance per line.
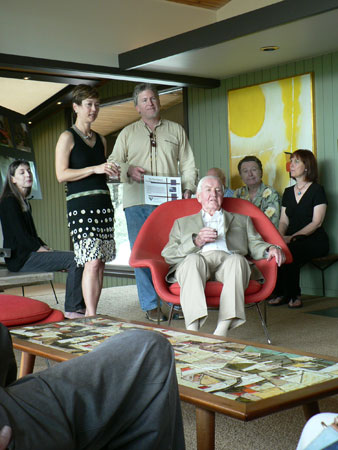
pixel 14 279
pixel 117 270
pixel 322 264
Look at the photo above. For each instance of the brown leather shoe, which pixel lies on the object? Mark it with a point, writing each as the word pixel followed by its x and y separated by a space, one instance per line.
pixel 152 315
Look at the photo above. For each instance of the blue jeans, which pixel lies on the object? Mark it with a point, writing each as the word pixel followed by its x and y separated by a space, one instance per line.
pixel 60 260
pixel 136 216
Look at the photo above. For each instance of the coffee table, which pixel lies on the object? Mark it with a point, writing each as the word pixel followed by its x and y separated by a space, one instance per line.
pixel 232 377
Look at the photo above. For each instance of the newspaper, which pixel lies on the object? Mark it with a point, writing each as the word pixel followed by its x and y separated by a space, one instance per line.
pixel 158 190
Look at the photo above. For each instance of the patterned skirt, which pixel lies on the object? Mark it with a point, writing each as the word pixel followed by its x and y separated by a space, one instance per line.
pixel 91 224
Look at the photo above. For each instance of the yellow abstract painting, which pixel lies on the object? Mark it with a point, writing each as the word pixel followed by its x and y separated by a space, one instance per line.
pixel 267 120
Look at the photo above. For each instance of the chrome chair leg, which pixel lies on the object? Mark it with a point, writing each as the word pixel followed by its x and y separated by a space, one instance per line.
pixel 51 283
pixel 263 324
pixel 171 314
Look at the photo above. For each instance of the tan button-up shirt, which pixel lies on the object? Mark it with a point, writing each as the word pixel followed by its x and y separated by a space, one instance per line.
pixel 172 156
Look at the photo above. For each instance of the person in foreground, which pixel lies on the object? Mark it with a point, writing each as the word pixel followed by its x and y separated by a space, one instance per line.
pixel 303 212
pixel 150 146
pixel 122 395
pixel 266 198
pixel 80 160
pixel 216 172
pixel 213 244
pixel 320 433
pixel 28 251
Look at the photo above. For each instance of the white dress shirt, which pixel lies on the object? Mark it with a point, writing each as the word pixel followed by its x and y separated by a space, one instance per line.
pixel 217 222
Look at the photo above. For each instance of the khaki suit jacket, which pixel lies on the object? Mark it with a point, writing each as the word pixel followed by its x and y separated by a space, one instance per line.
pixel 240 235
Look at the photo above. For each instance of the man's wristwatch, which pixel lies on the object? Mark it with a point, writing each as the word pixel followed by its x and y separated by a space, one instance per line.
pixel 275 246
pixel 266 252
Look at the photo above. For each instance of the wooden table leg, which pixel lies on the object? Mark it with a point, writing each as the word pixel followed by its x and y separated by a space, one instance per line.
pixel 310 409
pixel 205 429
pixel 26 364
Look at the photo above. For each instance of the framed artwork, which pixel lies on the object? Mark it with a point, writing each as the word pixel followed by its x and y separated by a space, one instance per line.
pixel 16 143
pixel 270 121
pixel 5 132
pixel 21 136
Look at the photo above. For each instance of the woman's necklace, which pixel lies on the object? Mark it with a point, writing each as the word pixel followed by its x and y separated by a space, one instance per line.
pixel 301 188
pixel 84 136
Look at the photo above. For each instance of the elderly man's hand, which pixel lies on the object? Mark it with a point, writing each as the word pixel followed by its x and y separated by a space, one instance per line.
pixel 5 437
pixel 278 254
pixel 205 236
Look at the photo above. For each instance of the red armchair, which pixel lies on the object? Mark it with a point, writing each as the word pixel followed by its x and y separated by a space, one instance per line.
pixel 154 235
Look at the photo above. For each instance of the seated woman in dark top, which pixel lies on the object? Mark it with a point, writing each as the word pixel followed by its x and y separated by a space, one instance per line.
pixel 28 252
pixel 303 212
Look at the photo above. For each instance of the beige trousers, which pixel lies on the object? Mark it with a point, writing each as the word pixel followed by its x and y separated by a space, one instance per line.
pixel 231 270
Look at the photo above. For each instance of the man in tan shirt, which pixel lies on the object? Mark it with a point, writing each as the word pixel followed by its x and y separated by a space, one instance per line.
pixel 150 146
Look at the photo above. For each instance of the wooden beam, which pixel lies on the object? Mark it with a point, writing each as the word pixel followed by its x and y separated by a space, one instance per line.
pixel 207 4
pixel 84 72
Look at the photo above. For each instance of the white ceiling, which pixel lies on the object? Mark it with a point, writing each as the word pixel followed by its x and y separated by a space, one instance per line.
pixel 302 39
pixel 23 96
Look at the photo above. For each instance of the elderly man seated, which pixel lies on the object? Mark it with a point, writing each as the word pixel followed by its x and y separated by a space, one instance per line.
pixel 212 245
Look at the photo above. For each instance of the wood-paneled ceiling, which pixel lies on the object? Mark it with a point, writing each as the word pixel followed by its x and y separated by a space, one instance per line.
pixel 208 4
pixel 114 117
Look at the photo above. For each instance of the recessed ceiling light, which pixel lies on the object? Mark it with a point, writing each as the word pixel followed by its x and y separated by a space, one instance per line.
pixel 26 78
pixel 59 103
pixel 269 48
pixel 30 122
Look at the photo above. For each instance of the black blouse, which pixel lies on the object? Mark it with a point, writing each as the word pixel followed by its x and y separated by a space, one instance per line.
pixel 82 155
pixel 19 233
pixel 301 214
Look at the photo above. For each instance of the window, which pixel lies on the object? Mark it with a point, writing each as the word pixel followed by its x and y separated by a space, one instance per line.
pixel 120 226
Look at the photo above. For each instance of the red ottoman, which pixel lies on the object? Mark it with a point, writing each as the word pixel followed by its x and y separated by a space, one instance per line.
pixel 16 311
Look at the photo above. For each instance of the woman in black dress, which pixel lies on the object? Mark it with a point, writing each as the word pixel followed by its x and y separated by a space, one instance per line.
pixel 303 212
pixel 81 162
